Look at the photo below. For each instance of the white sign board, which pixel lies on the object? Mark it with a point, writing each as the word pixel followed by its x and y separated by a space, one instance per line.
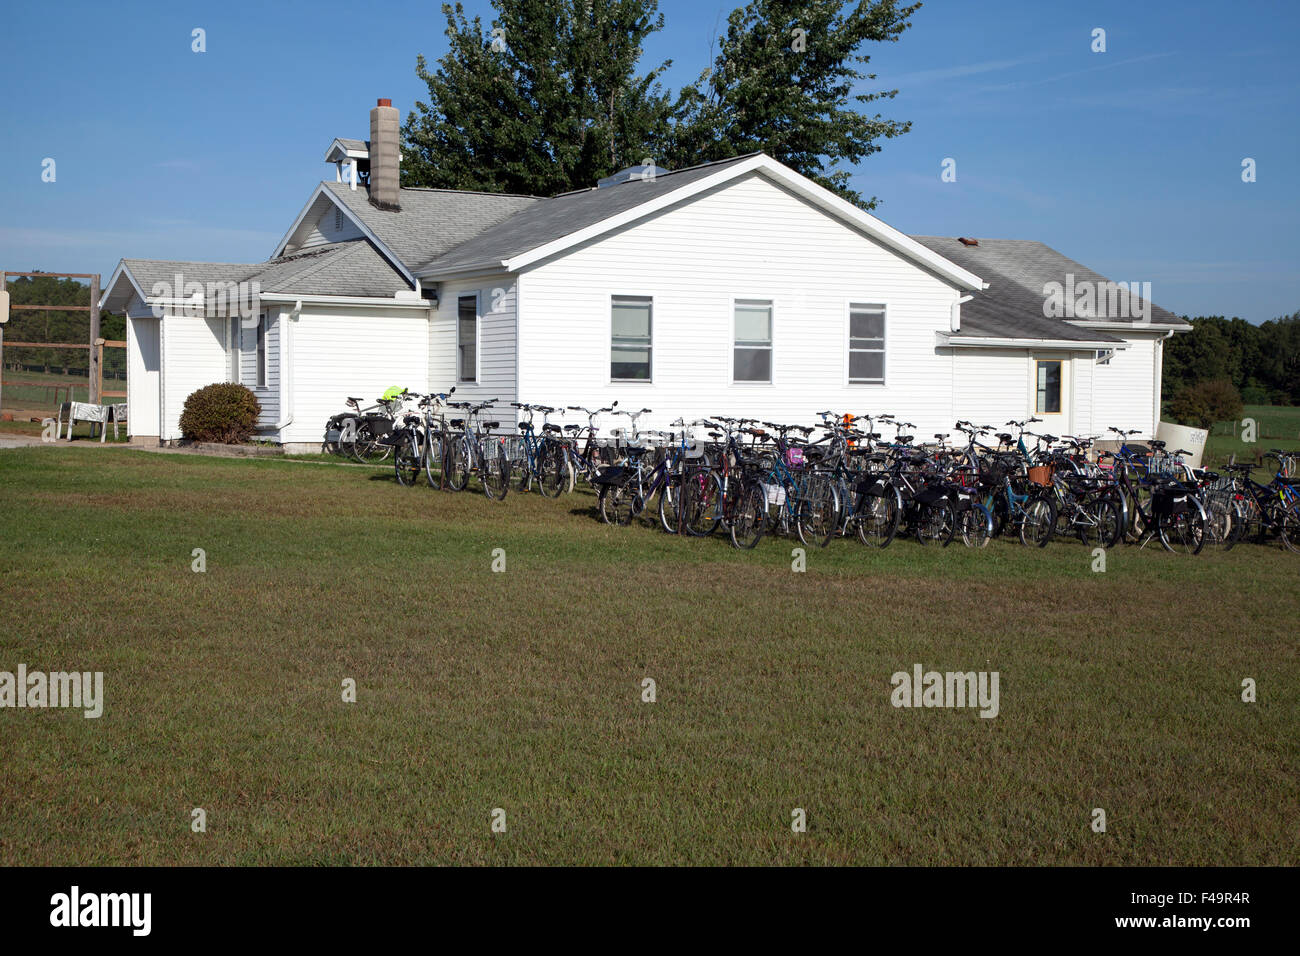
pixel 4 306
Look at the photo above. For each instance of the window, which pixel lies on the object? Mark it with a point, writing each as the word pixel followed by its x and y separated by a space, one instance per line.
pixel 1049 388
pixel 232 348
pixel 467 337
pixel 752 354
pixel 867 344
pixel 261 350
pixel 630 325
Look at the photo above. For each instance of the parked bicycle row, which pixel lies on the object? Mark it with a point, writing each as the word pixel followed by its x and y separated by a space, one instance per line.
pixel 842 477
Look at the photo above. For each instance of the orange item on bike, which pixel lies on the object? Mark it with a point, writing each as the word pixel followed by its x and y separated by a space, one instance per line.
pixel 1041 474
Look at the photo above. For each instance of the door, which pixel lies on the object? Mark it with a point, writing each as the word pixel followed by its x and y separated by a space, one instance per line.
pixel 143 378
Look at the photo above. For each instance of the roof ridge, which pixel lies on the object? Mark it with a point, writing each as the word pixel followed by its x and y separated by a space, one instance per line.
pixel 671 172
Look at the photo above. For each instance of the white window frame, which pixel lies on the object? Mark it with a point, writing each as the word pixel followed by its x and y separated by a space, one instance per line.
pixel 261 336
pixel 234 349
pixel 865 303
pixel 1062 362
pixel 731 364
pixel 478 339
pixel 609 338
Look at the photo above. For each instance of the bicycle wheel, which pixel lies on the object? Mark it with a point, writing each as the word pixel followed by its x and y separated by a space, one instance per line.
pixel 1289 526
pixel 669 496
pixel 750 519
pixel 699 504
pixel 495 476
pixel 937 523
pixel 976 525
pixel 1038 523
pixel 434 452
pixel 407 459
pixel 818 514
pixel 616 504
pixel 1106 524
pixel 1182 533
pixel 552 475
pixel 878 519
pixel 456 465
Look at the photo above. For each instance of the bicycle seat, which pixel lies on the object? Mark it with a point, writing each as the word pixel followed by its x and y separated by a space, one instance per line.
pixel 491 425
pixel 457 423
pixel 355 401
pixel 904 439
pixel 553 429
pixel 1156 443
pixel 573 428
pixel 1003 436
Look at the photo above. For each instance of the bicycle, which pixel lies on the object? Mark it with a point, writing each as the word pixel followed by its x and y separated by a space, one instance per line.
pixel 475 451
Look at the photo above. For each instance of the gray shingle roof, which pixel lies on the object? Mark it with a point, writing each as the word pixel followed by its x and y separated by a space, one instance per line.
pixel 551 219
pixel 352 268
pixel 431 221
pixel 1012 306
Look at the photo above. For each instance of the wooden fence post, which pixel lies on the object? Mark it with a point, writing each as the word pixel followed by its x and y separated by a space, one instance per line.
pixel 96 369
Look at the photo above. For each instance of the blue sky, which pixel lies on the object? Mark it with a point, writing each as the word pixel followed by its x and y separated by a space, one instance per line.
pixel 1128 161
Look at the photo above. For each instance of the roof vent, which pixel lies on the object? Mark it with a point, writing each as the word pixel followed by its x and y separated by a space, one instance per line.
pixel 968 242
pixel 646 172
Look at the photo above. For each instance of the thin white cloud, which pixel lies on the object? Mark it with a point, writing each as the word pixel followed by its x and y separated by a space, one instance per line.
pixel 919 77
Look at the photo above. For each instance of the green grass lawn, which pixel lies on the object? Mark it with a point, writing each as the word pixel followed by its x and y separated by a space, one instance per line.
pixel 522 690
pixel 1277 426
pixel 41 392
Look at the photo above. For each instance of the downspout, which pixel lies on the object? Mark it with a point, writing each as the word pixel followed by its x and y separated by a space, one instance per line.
pixel 954 314
pixel 286 368
pixel 1157 370
pixel 954 325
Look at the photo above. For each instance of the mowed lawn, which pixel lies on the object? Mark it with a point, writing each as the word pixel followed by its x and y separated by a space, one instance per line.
pixel 521 690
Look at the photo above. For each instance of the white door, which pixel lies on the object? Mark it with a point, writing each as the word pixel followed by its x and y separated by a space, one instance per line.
pixel 144 359
pixel 1050 394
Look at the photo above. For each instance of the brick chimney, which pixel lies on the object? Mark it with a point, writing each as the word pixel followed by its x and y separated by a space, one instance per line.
pixel 385 156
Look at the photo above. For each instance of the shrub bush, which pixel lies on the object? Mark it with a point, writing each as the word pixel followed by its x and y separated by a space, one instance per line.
pixel 224 413
pixel 1205 403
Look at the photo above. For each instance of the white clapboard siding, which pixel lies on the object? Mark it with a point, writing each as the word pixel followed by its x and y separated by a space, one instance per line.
pixel 193 355
pixel 332 226
pixel 991 386
pixel 351 352
pixel 1123 390
pixel 144 361
pixel 748 239
pixel 268 395
pixel 496 344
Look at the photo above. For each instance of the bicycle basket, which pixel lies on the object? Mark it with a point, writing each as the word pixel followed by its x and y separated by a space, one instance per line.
pixel 1041 475
pixel 612 475
pixel 1171 501
pixel 875 487
pixel 963 499
pixel 930 494
pixel 378 425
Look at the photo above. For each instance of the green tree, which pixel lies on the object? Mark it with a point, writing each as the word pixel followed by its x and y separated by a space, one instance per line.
pixel 1205 403
pixel 783 84
pixel 548 100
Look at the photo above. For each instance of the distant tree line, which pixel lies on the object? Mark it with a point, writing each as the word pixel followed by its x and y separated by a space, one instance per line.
pixel 72 327
pixel 1223 364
